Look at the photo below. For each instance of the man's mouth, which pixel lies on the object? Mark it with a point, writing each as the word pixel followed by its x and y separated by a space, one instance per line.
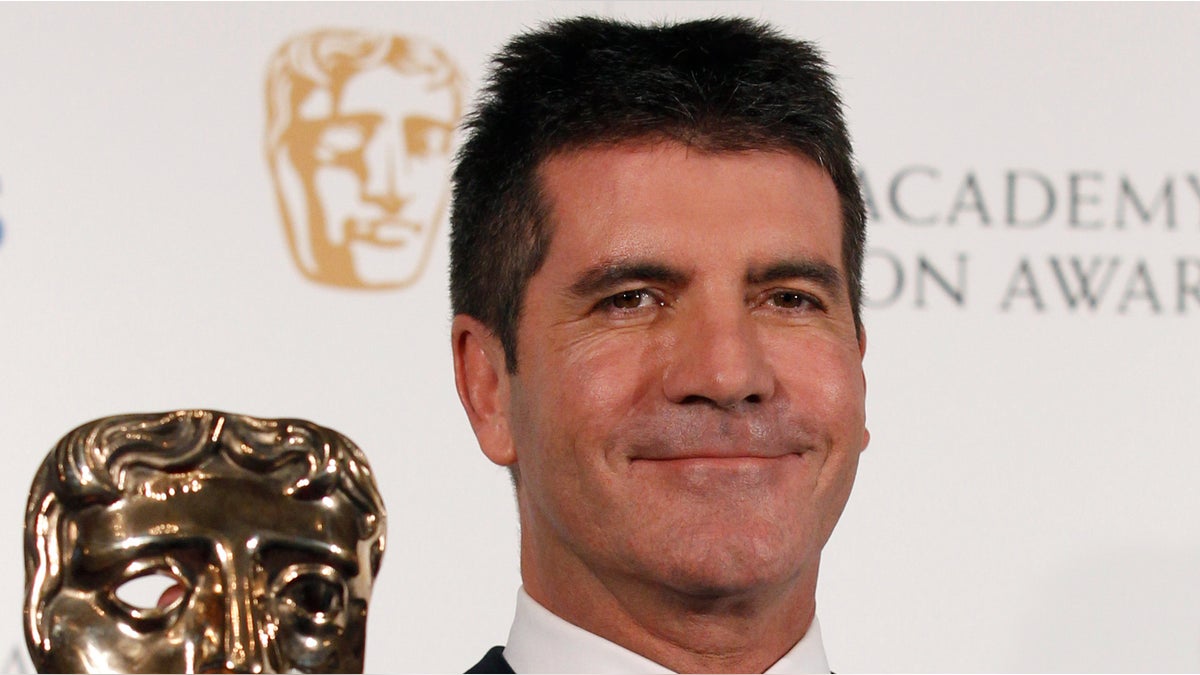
pixel 700 441
pixel 703 472
pixel 714 456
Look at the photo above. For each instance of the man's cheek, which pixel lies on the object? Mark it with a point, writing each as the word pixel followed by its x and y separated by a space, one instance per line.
pixel 607 378
pixel 834 379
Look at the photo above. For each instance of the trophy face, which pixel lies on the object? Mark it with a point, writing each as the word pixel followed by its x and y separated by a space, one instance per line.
pixel 264 537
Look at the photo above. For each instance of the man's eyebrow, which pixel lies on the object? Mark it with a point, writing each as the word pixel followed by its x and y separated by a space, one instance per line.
pixel 825 275
pixel 606 275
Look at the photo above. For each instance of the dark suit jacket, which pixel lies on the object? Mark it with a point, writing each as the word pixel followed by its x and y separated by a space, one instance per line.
pixel 492 662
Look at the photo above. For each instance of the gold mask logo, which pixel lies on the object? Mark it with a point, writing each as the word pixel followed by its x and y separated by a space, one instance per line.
pixel 358 139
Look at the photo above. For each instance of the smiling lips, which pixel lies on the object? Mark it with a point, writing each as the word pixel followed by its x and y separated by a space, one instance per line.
pixel 720 442
pixel 708 471
pixel 713 455
pixel 742 453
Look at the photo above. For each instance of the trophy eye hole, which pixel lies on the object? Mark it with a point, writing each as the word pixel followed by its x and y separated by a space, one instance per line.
pixel 157 589
pixel 314 595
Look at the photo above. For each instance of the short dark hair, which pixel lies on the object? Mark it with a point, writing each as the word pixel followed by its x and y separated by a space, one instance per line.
pixel 719 85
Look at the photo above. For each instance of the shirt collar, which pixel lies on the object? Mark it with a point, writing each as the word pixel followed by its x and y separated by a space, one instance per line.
pixel 541 642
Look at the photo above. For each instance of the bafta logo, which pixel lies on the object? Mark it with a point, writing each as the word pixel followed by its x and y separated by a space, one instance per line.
pixel 358 140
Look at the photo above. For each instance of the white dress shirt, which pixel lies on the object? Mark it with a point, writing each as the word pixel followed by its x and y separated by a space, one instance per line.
pixel 541 642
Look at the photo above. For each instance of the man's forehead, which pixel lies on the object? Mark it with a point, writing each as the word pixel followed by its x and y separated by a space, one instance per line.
pixel 625 182
pixel 596 157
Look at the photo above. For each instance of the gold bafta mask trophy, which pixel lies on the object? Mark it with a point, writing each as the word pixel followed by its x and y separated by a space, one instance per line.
pixel 266 536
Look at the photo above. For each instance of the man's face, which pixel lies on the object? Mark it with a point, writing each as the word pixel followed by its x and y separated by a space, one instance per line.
pixel 372 168
pixel 269 583
pixel 688 408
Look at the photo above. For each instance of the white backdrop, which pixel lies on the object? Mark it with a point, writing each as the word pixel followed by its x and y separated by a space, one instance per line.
pixel 1029 500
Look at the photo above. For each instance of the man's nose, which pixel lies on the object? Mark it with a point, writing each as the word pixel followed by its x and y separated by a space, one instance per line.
pixel 718 359
pixel 384 157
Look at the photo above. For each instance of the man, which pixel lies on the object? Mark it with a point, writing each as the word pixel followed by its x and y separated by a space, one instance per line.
pixel 358 141
pixel 656 248
pixel 265 534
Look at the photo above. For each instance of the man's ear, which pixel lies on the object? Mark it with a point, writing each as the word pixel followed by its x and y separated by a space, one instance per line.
pixel 481 376
pixel 862 352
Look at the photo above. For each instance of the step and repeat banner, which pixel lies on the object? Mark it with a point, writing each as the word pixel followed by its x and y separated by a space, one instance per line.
pixel 1031 496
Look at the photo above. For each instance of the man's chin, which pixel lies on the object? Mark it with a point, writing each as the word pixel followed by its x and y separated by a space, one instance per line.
pixel 709 564
pixel 725 585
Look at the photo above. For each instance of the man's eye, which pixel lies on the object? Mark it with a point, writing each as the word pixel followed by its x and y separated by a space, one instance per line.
pixel 793 300
pixel 635 299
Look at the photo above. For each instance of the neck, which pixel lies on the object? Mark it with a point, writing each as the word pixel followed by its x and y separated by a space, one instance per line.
pixel 742 630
